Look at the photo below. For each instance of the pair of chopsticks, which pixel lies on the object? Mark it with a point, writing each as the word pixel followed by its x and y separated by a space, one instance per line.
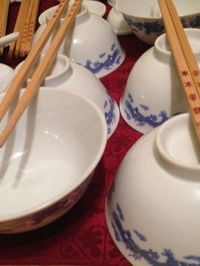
pixel 3 18
pixel 186 64
pixel 41 71
pixel 25 25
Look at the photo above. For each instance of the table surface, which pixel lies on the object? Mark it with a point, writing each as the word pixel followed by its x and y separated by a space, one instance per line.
pixel 81 236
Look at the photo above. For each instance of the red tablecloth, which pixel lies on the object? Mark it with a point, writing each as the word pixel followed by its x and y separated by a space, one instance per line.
pixel 81 236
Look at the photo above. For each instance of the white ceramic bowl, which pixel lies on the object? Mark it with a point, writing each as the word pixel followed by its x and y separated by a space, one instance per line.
pixel 152 209
pixel 6 76
pixel 73 77
pixel 48 161
pixel 143 16
pixel 102 52
pixel 153 91
pixel 94 7
pixel 117 22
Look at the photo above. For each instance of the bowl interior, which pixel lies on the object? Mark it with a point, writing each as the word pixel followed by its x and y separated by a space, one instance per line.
pixel 150 8
pixel 56 145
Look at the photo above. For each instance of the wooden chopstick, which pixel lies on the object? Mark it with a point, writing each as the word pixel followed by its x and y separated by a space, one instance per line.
pixel 41 71
pixel 22 19
pixel 185 45
pixel 185 70
pixel 31 26
pixel 31 59
pixel 3 18
pixel 18 28
pixel 25 24
pixel 24 29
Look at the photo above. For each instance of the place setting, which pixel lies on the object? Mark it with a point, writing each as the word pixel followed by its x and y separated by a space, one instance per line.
pixel 100 131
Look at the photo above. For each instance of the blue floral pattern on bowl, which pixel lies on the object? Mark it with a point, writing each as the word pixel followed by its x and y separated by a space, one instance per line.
pixel 133 241
pixel 155 27
pixel 110 114
pixel 47 214
pixel 141 115
pixel 106 61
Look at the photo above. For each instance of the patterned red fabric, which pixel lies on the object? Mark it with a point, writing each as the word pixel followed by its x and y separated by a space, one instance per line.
pixel 81 236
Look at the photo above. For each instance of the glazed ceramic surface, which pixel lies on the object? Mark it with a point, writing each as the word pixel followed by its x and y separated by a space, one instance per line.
pixel 117 22
pixel 111 2
pixel 71 77
pixel 48 161
pixel 6 76
pixel 153 91
pixel 152 209
pixel 95 7
pixel 143 16
pixel 7 39
pixel 102 53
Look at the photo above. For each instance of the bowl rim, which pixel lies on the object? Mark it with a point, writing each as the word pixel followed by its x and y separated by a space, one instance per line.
pixel 151 19
pixel 195 167
pixel 86 174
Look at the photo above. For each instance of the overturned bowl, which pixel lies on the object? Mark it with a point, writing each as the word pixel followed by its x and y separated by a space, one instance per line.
pixel 70 76
pixel 95 7
pixel 153 91
pixel 101 54
pixel 48 161
pixel 152 209
pixel 144 17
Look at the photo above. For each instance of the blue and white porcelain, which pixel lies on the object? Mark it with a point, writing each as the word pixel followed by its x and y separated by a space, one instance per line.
pixel 144 17
pixel 153 90
pixel 152 209
pixel 92 43
pixel 48 161
pixel 70 76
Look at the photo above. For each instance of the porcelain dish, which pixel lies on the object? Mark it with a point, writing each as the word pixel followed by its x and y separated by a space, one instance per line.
pixel 48 161
pixel 153 91
pixel 152 209
pixel 102 53
pixel 70 76
pixel 143 16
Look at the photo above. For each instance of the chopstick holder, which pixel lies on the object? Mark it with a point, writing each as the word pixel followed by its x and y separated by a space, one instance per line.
pixel 41 71
pixel 186 66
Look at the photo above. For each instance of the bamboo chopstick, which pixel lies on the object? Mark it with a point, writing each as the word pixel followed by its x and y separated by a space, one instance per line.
pixel 24 27
pixel 32 26
pixel 41 71
pixel 29 28
pixel 31 59
pixel 3 18
pixel 185 45
pixel 25 24
pixel 22 19
pixel 184 65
